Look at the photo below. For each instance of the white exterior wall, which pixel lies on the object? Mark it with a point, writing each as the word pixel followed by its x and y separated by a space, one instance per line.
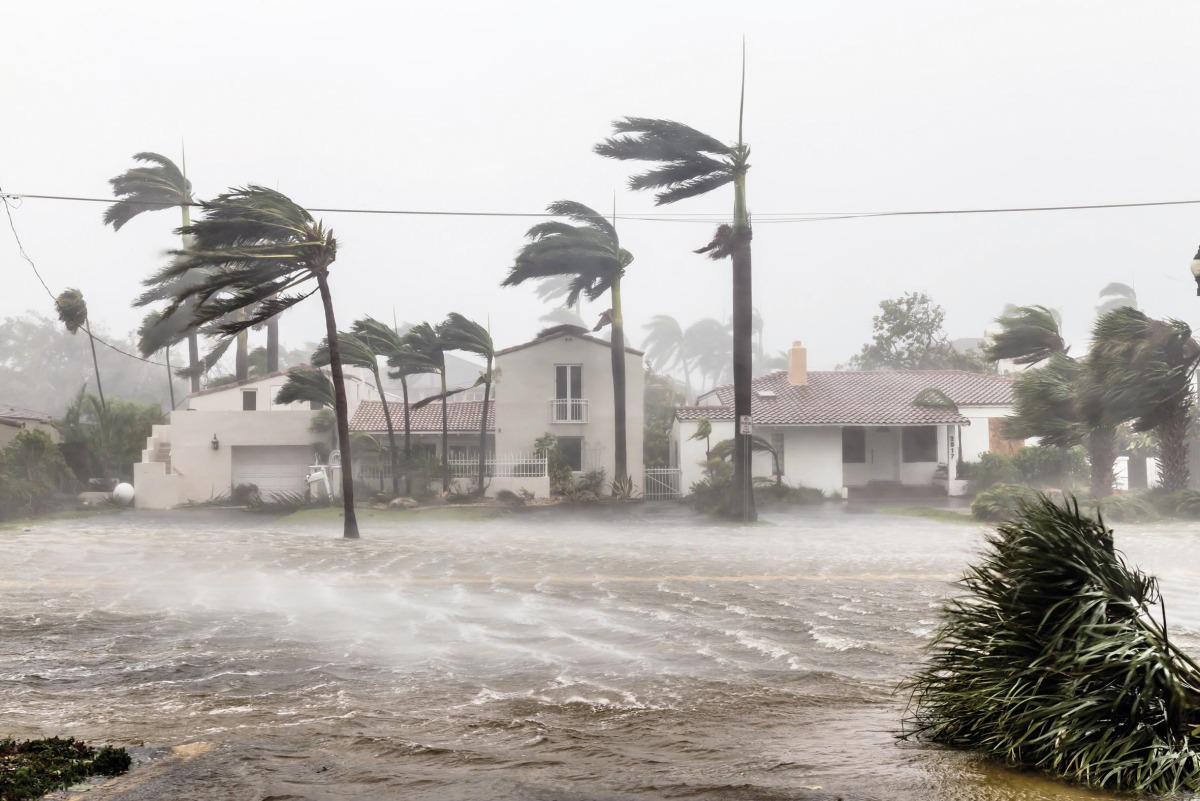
pixel 526 387
pixel 198 472
pixel 975 440
pixel 692 456
pixel 812 456
pixel 229 399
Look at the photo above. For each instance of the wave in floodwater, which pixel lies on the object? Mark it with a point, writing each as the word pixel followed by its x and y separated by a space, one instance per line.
pixel 550 656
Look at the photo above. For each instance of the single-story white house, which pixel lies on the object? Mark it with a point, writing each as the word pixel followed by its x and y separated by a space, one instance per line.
pixel 856 433
pixel 232 435
pixel 14 420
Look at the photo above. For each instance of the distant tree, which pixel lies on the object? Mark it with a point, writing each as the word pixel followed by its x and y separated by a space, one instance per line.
pixel 1116 296
pixel 254 249
pixel 428 343
pixel 907 334
pixel 662 395
pixel 105 440
pixel 710 346
pixel 73 314
pixel 402 360
pixel 666 349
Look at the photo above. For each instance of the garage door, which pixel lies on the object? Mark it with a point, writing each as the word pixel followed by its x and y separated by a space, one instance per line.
pixel 272 469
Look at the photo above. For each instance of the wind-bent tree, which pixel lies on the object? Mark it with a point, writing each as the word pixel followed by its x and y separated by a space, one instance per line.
pixel 469 336
pixel 359 352
pixel 428 343
pixel 590 254
pixel 1056 403
pixel 256 249
pixel 666 348
pixel 1116 296
pixel 158 185
pixel 73 314
pixel 691 163
pixel 1143 371
pixel 710 347
pixel 403 361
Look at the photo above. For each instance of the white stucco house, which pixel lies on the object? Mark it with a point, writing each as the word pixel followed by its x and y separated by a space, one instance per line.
pixel 231 435
pixel 856 433
pixel 561 383
pixel 15 419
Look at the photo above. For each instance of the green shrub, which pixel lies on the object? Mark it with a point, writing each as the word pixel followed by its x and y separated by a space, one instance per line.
pixel 1001 502
pixel 1058 659
pixel 990 470
pixel 1126 507
pixel 34 478
pixel 592 481
pixel 768 490
pixel 624 489
pixel 1051 466
pixel 30 769
pixel 712 495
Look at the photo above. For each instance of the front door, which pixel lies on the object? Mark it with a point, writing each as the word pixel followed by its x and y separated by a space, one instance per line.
pixel 883 453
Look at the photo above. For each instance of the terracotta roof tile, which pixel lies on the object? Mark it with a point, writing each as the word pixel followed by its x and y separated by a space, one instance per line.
pixel 460 416
pixel 883 397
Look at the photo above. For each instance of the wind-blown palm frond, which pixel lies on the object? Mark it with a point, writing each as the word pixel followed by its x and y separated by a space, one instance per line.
pixel 1057 658
pixel 1115 296
pixel 72 309
pixel 149 188
pixel 1047 404
pixel 352 349
pixel 688 167
pixel 307 385
pixel 459 333
pixel 1028 335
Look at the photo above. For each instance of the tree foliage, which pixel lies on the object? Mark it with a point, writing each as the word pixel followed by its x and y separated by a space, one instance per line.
pixel 907 334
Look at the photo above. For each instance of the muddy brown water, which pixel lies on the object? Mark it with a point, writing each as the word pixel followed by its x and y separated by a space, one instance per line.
pixel 644 655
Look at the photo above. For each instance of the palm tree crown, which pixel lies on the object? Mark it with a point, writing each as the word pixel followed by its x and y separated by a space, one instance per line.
pixel 160 185
pixel 692 163
pixel 1028 335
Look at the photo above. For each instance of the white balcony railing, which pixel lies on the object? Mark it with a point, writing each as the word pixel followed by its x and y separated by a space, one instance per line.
pixel 568 410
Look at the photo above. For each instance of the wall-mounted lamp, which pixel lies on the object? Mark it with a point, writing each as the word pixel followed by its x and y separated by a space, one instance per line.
pixel 1196 270
pixel 216 443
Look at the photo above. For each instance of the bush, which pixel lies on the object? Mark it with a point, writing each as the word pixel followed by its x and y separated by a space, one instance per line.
pixel 34 478
pixel 1125 507
pixel 713 495
pixel 625 490
pixel 592 481
pixel 767 490
pixel 245 495
pixel 1001 502
pixel 32 768
pixel 1051 466
pixel 990 470
pixel 1058 659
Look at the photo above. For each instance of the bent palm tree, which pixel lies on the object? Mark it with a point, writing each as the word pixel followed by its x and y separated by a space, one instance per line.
pixel 359 352
pixel 403 360
pixel 1144 371
pixel 255 249
pixel 73 313
pixel 691 163
pixel 471 337
pixel 1028 335
pixel 666 348
pixel 427 342
pixel 158 185
pixel 590 253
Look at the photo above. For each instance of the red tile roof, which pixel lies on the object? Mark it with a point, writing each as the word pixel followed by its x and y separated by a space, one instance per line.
pixel 859 398
pixel 460 416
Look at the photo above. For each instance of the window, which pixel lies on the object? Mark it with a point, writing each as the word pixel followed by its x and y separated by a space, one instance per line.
pixel 572 448
pixel 854 445
pixel 315 406
pixel 777 444
pixel 249 400
pixel 918 443
pixel 569 405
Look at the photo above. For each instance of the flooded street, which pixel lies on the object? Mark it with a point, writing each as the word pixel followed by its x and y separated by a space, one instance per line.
pixel 538 656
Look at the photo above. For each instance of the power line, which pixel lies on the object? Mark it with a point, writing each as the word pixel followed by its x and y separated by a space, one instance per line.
pixel 772 217
pixel 4 198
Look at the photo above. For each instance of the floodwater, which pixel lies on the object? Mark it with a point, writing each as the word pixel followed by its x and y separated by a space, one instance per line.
pixel 642 655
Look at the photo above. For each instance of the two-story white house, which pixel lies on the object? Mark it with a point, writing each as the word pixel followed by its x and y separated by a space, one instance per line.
pixel 856 433
pixel 232 435
pixel 561 383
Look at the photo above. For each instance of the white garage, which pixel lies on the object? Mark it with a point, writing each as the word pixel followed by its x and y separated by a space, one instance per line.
pixel 274 468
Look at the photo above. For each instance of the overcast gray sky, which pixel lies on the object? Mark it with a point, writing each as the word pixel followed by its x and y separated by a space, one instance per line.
pixel 850 106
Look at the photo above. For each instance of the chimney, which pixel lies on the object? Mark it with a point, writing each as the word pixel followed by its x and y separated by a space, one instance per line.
pixel 798 365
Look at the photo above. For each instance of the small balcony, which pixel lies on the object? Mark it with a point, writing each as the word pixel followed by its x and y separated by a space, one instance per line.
pixel 568 410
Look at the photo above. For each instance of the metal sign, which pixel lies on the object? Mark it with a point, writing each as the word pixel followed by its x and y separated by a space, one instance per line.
pixel 745 427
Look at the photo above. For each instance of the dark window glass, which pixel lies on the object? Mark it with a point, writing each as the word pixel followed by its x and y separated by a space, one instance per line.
pixel 560 382
pixel 572 448
pixel 249 400
pixel 919 443
pixel 854 445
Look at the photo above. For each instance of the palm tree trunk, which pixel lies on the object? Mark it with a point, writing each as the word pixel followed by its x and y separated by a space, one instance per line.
pixel 241 359
pixel 487 391
pixel 341 409
pixel 445 435
pixel 273 348
pixel 193 337
pixel 743 352
pixel 617 347
pixel 1102 452
pixel 407 436
pixel 387 418
pixel 170 378
pixel 1171 437
pixel 95 363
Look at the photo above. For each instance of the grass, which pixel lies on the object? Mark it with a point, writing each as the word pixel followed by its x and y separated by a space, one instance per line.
pixel 930 513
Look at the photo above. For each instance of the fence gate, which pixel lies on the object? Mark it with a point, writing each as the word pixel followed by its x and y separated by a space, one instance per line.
pixel 662 483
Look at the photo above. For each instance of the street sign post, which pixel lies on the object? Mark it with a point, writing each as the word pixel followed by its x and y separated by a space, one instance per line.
pixel 745 427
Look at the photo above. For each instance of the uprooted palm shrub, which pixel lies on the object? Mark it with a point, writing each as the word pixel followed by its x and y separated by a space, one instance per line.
pixel 1057 658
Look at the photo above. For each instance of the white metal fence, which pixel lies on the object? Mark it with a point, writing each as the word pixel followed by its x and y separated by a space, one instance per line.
pixel 530 465
pixel 568 410
pixel 663 483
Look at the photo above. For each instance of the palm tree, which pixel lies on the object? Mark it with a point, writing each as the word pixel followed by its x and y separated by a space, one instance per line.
pixel 73 313
pixel 428 343
pixel 471 337
pixel 666 348
pixel 359 352
pixel 1144 371
pixel 1055 403
pixel 590 253
pixel 710 347
pixel 402 359
pixel 254 249
pixel 1116 296
pixel 158 185
pixel 691 163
